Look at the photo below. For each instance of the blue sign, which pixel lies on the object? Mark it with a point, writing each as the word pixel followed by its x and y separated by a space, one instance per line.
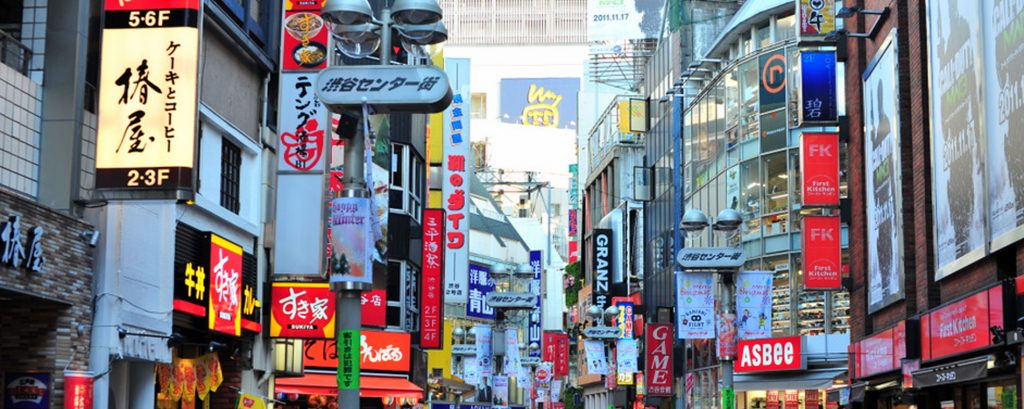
pixel 543 102
pixel 27 390
pixel 818 87
pixel 480 284
pixel 534 335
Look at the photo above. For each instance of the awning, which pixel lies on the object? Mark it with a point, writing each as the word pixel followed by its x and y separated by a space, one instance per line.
pixel 956 372
pixel 369 386
pixel 809 379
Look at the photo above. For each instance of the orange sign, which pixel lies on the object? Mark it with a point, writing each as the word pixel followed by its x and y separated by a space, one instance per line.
pixel 379 351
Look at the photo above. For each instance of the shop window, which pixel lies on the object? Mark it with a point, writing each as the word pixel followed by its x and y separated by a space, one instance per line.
pixel 840 305
pixel 750 198
pixel 230 176
pixel 407 181
pixel 811 304
pixel 479 105
pixel 1002 395
pixel 782 293
pixel 776 184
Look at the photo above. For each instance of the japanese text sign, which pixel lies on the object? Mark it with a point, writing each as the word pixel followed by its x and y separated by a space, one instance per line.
pixel 533 335
pixel 304 41
pixel 817 98
pixel 821 252
pixel 77 390
pixel 771 354
pixel 302 310
pixel 817 18
pixel 27 390
pixel 658 371
pixel 456 201
pixel 819 163
pixel 431 302
pixel 374 311
pixel 624 320
pixel 480 286
pixel 511 300
pixel 697 258
pixel 346 358
pixel 147 97
pixel 377 351
pixel 304 125
pixel 879 352
pixel 961 326
pixel 772 400
pixel 420 89
pixel 791 399
pixel 14 253
pixel 225 270
pixel 556 351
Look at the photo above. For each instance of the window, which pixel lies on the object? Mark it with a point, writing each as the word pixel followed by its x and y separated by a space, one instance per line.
pixel 407 181
pixel 479 105
pixel 230 176
pixel 776 183
pixel 764 36
pixel 785 28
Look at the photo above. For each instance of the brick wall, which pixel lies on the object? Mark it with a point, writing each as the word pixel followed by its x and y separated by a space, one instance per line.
pixel 41 311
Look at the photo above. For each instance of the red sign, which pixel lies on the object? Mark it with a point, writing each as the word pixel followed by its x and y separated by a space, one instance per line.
pixel 961 326
pixel 659 359
pixel 770 354
pixel 792 399
pixel 819 163
pixel 304 43
pixel 225 286
pixel 811 398
pixel 431 299
pixel 115 5
pixel 821 252
pixel 374 308
pixel 556 351
pixel 771 400
pixel 77 390
pixel 302 310
pixel 379 351
pixel 882 352
pixel 574 251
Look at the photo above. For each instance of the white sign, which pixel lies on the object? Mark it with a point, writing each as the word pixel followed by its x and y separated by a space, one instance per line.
pixel 484 358
pixel 602 332
pixel 596 362
pixel 695 305
pixel 464 349
pixel 754 304
pixel 616 20
pixel 626 357
pixel 714 258
pixel 512 300
pixel 351 241
pixel 420 89
pixel 455 181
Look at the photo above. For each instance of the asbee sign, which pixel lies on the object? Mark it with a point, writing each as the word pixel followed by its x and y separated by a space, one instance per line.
pixel 385 89
pixel 771 354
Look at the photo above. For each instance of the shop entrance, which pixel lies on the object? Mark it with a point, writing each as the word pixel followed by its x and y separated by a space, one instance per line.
pixel 35 335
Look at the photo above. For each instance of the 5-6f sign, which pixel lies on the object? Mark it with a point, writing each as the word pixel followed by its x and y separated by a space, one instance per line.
pixel 602 266
pixel 659 360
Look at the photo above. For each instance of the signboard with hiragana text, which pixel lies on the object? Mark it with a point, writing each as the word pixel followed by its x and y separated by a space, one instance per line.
pixel 696 258
pixel 431 316
pixel 421 89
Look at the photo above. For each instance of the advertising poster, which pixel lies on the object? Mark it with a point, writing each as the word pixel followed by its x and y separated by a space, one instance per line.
pixel 822 252
pixel 301 310
pixel 351 258
pixel 957 141
pixel 483 353
pixel 754 304
pixel 597 364
pixel 513 363
pixel 732 187
pixel 471 370
pixel 626 357
pixel 480 284
pixel 621 20
pixel 305 41
pixel 27 390
pixel 534 333
pixel 78 388
pixel 884 182
pixel 658 368
pixel 500 393
pixel 542 102
pixel 378 177
pixel 455 185
pixel 695 305
pixel 1004 70
pixel 817 18
pixel 431 314
pixel 818 102
pixel 225 313
pixel 726 335
pixel 819 163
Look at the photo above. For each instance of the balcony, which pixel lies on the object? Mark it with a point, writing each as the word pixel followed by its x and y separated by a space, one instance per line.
pixel 607 134
pixel 13 53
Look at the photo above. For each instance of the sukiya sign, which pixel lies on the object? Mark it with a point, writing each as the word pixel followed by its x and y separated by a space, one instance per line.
pixel 602 266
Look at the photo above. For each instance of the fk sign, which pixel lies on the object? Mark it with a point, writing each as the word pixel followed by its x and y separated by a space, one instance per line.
pixel 821 248
pixel 819 160
pixel 659 359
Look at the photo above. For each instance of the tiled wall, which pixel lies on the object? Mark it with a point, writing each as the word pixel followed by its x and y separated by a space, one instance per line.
pixel 87 179
pixel 20 106
pixel 33 35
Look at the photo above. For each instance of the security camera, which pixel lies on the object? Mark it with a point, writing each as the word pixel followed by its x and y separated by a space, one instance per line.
pixel 90 236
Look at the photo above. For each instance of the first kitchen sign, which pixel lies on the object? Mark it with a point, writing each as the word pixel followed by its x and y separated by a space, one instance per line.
pixel 148 93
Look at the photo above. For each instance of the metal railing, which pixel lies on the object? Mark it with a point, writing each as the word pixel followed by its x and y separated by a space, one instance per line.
pixel 14 53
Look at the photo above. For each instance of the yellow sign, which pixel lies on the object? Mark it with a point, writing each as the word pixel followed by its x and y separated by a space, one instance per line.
pixel 541 108
pixel 624 378
pixel 633 115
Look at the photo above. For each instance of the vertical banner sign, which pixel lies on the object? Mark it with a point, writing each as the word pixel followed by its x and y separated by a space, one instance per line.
pixel 556 351
pixel 480 284
pixel 77 390
pixel 574 193
pixel 483 353
pixel 351 241
pixel 754 304
pixel 500 393
pixel 772 90
pixel 574 251
pixel 304 126
pixel 574 222
pixel 658 371
pixel 603 260
pixel 225 314
pixel 374 308
pixel 625 319
pixel 513 364
pixel 148 94
pixel 597 364
pixel 884 182
pixel 28 390
pixel 821 252
pixel 695 305
pixel 811 398
pixel 348 359
pixel 1004 71
pixel 305 41
pixel 301 310
pixel 534 335
pixel 431 315
pixel 817 18
pixel 726 324
pixel 818 103
pixel 819 162
pixel 455 192
pixel 958 164
pixel 625 357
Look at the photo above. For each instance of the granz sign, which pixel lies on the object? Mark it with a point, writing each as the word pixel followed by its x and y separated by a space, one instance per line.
pixel 602 266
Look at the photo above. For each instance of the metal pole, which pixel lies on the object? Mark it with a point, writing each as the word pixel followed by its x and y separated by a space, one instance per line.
pixel 385 37
pixel 728 306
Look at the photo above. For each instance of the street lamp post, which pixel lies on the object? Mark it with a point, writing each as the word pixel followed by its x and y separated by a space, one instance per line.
pixel 358 35
pixel 727 226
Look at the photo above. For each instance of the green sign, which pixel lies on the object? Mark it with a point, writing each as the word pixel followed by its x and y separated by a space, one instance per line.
pixel 348 359
pixel 728 398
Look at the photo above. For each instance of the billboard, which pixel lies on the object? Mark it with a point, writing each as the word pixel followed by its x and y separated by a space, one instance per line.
pixel 146 135
pixel 658 368
pixel 817 18
pixel 618 20
pixel 455 180
pixel 819 163
pixel 431 305
pixel 818 100
pixel 542 102
pixel 772 89
pixel 480 284
pixel 884 198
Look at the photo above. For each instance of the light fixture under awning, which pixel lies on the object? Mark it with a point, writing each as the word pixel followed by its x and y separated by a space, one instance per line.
pixel 811 379
pixel 369 386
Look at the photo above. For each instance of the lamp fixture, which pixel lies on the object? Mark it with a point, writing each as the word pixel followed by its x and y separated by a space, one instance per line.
pixel 416 12
pixel 348 12
pixel 359 34
pixel 850 12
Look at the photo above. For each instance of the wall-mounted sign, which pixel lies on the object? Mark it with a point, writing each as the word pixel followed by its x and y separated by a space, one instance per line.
pixel 148 88
pixel 658 371
pixel 556 351
pixel 374 308
pixel 352 241
pixel 480 287
pixel 455 197
pixel 305 41
pixel 819 163
pixel 633 116
pixel 822 252
pixel 771 354
pixel 78 390
pixel 431 315
pixel 525 301
pixel 378 351
pixel 18 253
pixel 574 251
pixel 881 352
pixel 533 333
pixel 772 68
pixel 817 18
pixel 420 89
pixel 302 310
pixel 213 281
pixel 27 390
pixel 603 259
pixel 817 97
pixel 225 269
pixel 304 125
pixel 541 102
pixel 624 320
pixel 962 326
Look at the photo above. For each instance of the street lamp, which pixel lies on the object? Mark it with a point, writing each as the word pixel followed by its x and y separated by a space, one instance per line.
pixel 726 227
pixel 359 34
